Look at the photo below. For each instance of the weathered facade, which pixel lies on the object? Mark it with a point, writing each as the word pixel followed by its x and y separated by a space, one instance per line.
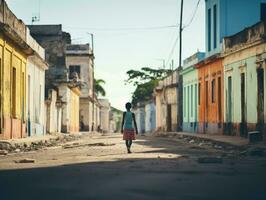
pixel 55 42
pixel 190 92
pixel 210 90
pixel 116 120
pixel 150 117
pixel 166 100
pixel 244 69
pixel 139 111
pixel 14 51
pixel 53 110
pixel 79 60
pixel 36 67
pixel 105 115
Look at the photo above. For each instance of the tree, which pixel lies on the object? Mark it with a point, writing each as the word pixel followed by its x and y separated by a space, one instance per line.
pixel 146 74
pixel 146 80
pixel 98 87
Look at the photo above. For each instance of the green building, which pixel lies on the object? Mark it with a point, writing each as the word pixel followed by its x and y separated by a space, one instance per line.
pixel 190 92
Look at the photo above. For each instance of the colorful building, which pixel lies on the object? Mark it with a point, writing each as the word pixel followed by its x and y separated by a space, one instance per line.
pixel 190 92
pixel 224 18
pixel 14 51
pixel 244 81
pixel 210 95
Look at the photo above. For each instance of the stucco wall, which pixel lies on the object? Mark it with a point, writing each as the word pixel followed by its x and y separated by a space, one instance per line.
pixel 13 118
pixel 210 116
pixel 150 114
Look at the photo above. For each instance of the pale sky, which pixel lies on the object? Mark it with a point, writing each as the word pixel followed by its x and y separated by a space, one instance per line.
pixel 124 31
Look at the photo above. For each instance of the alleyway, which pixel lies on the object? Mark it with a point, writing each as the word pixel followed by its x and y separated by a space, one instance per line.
pixel 97 167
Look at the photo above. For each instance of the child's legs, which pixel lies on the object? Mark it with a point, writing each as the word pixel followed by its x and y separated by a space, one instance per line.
pixel 129 143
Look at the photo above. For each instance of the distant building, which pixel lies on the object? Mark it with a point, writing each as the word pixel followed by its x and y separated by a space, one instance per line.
pixel 150 117
pixel 167 100
pixel 139 111
pixel 115 120
pixel 55 42
pixel 105 115
pixel 79 61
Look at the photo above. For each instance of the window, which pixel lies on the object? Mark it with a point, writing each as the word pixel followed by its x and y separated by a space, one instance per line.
pixel 191 101
pixel 263 12
pixel 199 94
pixel 214 26
pixel 184 106
pixel 209 29
pixel 213 91
pixel 188 100
pixel 73 71
pixel 195 103
pixel 14 91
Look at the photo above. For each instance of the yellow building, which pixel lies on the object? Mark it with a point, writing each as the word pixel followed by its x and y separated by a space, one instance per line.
pixel 13 54
pixel 13 89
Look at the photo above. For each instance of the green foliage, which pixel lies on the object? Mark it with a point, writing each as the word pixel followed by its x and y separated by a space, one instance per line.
pixel 146 80
pixel 146 74
pixel 98 87
pixel 144 91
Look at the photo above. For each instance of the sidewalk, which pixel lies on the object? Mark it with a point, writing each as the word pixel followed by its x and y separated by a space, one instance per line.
pixel 236 141
pixel 35 141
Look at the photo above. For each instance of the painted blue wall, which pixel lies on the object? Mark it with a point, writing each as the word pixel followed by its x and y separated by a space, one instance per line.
pixel 232 17
pixel 150 117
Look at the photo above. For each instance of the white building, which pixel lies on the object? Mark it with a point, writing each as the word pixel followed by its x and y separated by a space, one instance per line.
pixel 79 61
pixel 36 67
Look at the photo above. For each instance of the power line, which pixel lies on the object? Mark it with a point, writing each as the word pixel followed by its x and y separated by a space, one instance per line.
pixel 172 50
pixel 193 15
pixel 124 29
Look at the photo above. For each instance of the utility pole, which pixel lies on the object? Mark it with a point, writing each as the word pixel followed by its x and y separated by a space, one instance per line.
pixel 93 91
pixel 180 35
pixel 179 76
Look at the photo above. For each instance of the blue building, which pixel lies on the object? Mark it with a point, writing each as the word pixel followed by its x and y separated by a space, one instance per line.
pixel 150 117
pixel 228 17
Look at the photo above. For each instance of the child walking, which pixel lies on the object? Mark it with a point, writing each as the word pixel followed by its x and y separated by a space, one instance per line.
pixel 128 130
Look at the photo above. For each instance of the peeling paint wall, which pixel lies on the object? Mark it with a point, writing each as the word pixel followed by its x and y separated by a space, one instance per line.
pixel 211 106
pixel 13 90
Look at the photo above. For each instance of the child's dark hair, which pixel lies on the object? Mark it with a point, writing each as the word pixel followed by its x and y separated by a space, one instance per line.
pixel 128 106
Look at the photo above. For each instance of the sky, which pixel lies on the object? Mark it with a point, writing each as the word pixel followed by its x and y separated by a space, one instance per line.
pixel 128 34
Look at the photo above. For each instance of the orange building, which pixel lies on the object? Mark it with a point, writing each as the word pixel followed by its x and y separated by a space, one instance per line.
pixel 210 101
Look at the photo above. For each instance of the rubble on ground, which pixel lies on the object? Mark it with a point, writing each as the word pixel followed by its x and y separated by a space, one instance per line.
pixel 9 147
pixel 25 160
pixel 227 150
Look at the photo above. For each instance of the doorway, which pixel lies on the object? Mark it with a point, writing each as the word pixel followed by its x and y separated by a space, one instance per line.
pixel 169 117
pixel 243 125
pixel 229 105
pixel 260 108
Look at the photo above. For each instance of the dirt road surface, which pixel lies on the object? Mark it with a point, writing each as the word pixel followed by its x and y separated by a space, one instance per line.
pixel 98 167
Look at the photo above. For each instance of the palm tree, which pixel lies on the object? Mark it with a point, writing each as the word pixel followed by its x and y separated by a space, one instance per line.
pixel 98 87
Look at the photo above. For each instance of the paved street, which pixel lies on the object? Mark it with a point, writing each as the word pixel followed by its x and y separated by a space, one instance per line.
pixel 98 167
